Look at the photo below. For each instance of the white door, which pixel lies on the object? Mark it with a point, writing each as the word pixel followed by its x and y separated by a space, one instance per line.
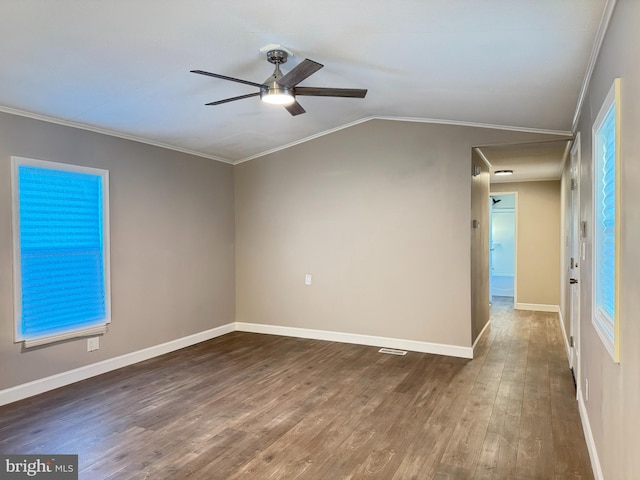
pixel 575 261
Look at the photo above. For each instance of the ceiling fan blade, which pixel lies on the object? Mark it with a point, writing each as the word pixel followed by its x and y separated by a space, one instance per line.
pixel 232 99
pixel 224 77
pixel 295 108
pixel 331 92
pixel 303 70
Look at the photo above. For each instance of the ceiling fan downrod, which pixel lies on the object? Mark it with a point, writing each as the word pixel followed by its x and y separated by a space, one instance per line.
pixel 272 91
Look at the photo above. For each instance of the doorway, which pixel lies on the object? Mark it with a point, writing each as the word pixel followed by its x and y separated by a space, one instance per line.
pixel 502 246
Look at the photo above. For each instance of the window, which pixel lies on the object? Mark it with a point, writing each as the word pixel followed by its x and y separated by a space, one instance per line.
pixel 61 251
pixel 606 214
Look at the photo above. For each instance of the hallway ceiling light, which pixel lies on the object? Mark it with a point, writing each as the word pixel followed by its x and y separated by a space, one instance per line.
pixel 503 172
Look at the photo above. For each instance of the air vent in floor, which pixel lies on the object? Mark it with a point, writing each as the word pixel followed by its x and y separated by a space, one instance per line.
pixel 392 351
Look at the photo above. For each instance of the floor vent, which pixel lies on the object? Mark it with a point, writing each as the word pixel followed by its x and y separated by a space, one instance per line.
pixel 392 351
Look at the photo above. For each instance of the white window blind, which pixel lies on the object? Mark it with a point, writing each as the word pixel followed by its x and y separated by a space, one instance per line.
pixel 61 257
pixel 606 225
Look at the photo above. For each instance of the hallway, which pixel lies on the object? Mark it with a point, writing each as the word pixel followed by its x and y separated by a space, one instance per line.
pixel 534 429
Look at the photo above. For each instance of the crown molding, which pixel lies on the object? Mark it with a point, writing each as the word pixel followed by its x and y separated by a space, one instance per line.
pixel 111 133
pixel 510 128
pixel 595 51
pixel 303 140
pixel 562 133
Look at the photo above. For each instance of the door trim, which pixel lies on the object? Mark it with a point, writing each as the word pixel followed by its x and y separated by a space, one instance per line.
pixel 575 249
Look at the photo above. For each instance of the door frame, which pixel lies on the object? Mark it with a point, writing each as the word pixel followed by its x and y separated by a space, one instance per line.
pixel 575 251
pixel 515 243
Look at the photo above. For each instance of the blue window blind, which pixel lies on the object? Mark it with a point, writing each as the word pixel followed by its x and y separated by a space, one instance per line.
pixel 63 288
pixel 605 204
pixel 606 214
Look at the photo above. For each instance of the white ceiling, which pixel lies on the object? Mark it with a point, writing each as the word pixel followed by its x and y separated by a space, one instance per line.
pixel 122 66
pixel 529 161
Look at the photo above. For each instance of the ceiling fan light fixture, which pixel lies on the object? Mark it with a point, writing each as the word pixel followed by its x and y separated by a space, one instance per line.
pixel 503 172
pixel 273 92
pixel 281 96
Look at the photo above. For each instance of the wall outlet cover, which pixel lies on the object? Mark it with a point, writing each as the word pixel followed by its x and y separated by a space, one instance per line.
pixel 93 343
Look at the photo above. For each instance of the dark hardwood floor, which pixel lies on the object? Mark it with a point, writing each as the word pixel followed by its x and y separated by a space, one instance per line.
pixel 265 407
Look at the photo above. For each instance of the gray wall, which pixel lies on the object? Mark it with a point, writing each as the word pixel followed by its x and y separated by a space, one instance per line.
pixel 538 240
pixel 172 244
pixel 613 407
pixel 379 214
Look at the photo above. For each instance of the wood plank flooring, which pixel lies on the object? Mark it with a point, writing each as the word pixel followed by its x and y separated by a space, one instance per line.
pixel 249 406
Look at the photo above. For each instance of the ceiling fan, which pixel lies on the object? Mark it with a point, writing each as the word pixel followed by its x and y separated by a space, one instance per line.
pixel 282 89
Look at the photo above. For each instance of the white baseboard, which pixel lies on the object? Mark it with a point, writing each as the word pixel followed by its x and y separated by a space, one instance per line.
pixel 564 335
pixel 373 341
pixel 537 307
pixel 473 348
pixel 42 385
pixel 588 436
pixel 52 382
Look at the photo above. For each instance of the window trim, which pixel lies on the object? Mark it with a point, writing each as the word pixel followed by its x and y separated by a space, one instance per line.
pixel 607 329
pixel 101 328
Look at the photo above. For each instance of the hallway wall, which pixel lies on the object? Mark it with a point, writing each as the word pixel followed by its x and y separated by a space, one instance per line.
pixel 479 245
pixel 612 409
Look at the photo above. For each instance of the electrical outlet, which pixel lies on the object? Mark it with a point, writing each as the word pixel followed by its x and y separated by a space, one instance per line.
pixel 307 279
pixel 93 343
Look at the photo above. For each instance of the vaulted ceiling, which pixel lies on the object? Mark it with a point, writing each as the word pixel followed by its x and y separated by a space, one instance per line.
pixel 122 66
